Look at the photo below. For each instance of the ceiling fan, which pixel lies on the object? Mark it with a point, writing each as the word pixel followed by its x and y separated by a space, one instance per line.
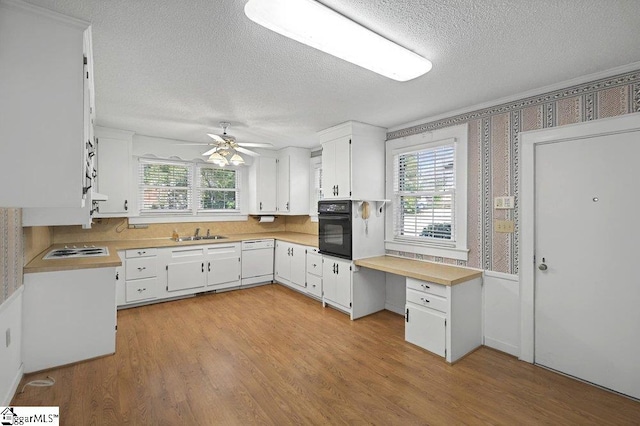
pixel 226 150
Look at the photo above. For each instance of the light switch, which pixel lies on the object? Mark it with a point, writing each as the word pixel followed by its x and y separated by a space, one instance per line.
pixel 501 203
pixel 504 226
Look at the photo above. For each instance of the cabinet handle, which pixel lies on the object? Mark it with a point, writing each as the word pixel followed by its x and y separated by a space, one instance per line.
pixel 140 253
pixel 334 268
pixel 287 206
pixel 337 189
pixel 260 205
pixel 202 266
pixel 315 266
pixel 424 300
pixel 425 286
pixel 140 290
pixel 117 276
pixel 126 205
pixel 142 268
pixel 337 268
pixel 209 267
pixel 291 251
pixel 406 317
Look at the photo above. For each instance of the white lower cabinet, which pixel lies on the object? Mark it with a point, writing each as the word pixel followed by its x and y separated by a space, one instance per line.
pixel 445 320
pixel 290 265
pixel 70 316
pixel 223 265
pixel 336 282
pixel 314 273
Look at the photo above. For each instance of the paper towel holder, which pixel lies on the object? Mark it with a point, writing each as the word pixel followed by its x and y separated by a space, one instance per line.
pixel 266 218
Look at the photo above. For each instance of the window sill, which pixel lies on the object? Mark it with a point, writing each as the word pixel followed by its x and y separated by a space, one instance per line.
pixel 428 249
pixel 141 220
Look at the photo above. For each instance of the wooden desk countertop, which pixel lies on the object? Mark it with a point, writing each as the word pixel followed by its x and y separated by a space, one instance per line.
pixel 425 271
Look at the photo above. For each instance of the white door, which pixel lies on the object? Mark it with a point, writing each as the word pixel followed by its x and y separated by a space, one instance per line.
pixel 587 321
pixel 114 157
pixel 329 170
pixel 298 265
pixel 343 167
pixel 284 202
pixel 283 261
pixel 267 184
pixel 343 283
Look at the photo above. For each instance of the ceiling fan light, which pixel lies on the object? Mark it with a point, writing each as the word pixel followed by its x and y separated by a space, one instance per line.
pixel 315 25
pixel 237 160
pixel 215 158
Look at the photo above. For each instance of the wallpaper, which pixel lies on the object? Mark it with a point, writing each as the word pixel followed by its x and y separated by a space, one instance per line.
pixel 493 156
pixel 10 252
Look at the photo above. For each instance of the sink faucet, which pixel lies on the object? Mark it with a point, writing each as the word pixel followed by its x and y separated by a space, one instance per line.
pixel 208 232
pixel 197 232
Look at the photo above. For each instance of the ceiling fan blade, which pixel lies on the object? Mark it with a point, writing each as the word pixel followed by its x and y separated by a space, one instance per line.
pixel 216 138
pixel 248 152
pixel 255 145
pixel 211 151
pixel 195 143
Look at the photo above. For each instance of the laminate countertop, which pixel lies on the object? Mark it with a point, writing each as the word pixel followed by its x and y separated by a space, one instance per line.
pixel 38 264
pixel 425 271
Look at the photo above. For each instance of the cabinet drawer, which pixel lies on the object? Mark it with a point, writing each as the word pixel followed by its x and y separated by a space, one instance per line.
pixel 314 285
pixel 147 288
pixel 427 300
pixel 132 254
pixel 144 267
pixel 314 264
pixel 427 287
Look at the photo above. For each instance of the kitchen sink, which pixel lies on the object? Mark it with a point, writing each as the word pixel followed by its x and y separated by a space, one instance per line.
pixel 200 237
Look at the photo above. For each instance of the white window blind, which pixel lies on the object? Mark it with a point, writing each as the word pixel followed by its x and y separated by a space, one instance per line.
pixel 424 194
pixel 164 186
pixel 218 189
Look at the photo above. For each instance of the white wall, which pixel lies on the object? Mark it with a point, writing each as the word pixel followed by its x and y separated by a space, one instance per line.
pixel 501 312
pixel 11 356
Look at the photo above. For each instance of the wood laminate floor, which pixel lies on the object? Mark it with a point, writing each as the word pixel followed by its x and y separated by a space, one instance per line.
pixel 269 355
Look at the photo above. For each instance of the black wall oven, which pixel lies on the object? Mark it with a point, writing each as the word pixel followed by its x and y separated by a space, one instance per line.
pixel 334 223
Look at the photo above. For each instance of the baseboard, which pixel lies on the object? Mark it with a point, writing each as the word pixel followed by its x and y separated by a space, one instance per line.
pixel 14 387
pixel 501 346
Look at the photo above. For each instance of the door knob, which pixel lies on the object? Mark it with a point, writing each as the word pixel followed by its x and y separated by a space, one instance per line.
pixel 542 266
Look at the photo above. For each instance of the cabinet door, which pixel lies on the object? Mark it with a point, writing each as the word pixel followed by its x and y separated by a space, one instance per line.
pixel 425 328
pixel 343 283
pixel 283 261
pixel 284 183
pixel 223 265
pixel 298 265
pixel 267 185
pixel 329 280
pixel 343 167
pixel 184 275
pixel 114 174
pixel 328 169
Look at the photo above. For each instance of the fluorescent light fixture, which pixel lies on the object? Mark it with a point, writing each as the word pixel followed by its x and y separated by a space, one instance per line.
pixel 316 25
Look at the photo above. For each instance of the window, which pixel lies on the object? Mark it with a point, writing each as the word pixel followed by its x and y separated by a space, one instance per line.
pixel 217 189
pixel 165 186
pixel 424 194
pixel 427 190
pixel 182 188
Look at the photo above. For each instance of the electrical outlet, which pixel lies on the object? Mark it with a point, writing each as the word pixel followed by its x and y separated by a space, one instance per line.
pixel 504 203
pixel 504 226
pixel 7 336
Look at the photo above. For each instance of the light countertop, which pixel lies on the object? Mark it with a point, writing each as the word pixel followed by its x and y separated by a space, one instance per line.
pixel 112 260
pixel 425 271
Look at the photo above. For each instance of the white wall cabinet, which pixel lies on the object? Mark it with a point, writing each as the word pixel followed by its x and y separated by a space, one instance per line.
pixel 46 108
pixel 69 316
pixel 353 161
pixel 290 264
pixel 445 320
pixel 263 185
pixel 293 181
pixel 114 157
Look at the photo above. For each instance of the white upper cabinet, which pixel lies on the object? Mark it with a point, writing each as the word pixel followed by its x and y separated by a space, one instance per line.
pixel 293 181
pixel 262 185
pixel 114 171
pixel 353 161
pixel 46 108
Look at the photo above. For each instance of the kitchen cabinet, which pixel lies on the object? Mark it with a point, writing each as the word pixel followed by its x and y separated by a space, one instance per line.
pixel 445 320
pixel 290 264
pixel 114 158
pixel 336 282
pixel 314 273
pixel 69 316
pixel 263 185
pixel 353 162
pixel 47 112
pixel 186 269
pixel 293 181
pixel 223 265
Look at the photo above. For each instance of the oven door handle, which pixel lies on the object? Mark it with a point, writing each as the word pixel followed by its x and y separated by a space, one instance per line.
pixel 343 217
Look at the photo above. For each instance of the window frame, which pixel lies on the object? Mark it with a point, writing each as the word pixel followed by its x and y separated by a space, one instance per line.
pixel 198 190
pixel 189 188
pixel 194 214
pixel 456 248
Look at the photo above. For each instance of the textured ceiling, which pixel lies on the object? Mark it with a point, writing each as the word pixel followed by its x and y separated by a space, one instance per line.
pixel 174 69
